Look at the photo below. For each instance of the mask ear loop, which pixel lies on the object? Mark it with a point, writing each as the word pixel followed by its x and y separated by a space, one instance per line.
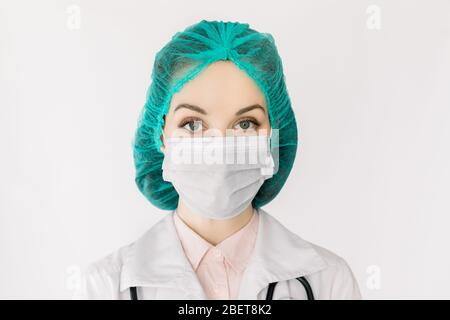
pixel 163 142
pixel 268 169
pixel 275 148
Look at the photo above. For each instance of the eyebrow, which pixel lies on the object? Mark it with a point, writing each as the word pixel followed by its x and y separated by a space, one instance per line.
pixel 202 111
pixel 249 108
pixel 191 107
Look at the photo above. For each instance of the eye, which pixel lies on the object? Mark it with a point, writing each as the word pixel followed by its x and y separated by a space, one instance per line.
pixel 246 124
pixel 192 124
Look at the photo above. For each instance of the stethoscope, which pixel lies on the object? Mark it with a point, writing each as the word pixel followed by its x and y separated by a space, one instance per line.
pixel 270 290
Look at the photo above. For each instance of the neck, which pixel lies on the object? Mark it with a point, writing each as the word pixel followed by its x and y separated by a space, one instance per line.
pixel 213 230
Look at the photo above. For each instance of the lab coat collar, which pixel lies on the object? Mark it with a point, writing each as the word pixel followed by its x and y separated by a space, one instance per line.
pixel 157 259
pixel 279 255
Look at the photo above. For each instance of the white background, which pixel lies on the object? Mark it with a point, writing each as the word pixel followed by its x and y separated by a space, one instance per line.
pixel 371 178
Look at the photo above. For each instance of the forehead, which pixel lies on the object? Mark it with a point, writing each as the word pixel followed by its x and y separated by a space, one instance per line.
pixel 222 85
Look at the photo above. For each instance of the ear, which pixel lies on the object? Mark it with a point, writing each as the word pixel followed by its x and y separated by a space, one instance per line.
pixel 163 147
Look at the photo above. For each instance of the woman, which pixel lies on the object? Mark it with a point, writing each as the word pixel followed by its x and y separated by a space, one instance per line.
pixel 213 81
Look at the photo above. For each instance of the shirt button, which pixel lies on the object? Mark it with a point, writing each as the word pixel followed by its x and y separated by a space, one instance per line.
pixel 217 253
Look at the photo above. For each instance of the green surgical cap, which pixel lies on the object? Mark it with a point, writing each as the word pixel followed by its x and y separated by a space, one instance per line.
pixel 182 59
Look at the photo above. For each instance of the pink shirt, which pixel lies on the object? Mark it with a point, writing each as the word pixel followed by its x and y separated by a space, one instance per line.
pixel 219 268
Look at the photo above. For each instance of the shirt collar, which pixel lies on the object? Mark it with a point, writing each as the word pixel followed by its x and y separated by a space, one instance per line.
pixel 157 258
pixel 193 244
pixel 236 248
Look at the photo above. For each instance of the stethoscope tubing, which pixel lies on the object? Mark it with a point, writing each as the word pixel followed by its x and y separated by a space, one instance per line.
pixel 270 290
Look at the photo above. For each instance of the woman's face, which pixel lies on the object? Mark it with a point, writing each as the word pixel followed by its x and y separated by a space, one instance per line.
pixel 221 100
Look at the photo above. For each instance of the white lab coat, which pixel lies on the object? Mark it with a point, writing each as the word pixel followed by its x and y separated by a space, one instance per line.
pixel 157 265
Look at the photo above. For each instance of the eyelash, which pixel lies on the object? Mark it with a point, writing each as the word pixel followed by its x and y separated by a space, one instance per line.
pixel 187 121
pixel 191 119
pixel 252 120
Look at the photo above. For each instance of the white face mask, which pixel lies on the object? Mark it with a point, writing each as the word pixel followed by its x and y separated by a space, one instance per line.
pixel 217 177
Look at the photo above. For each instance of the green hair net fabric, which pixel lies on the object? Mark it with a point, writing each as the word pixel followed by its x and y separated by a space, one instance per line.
pixel 182 59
